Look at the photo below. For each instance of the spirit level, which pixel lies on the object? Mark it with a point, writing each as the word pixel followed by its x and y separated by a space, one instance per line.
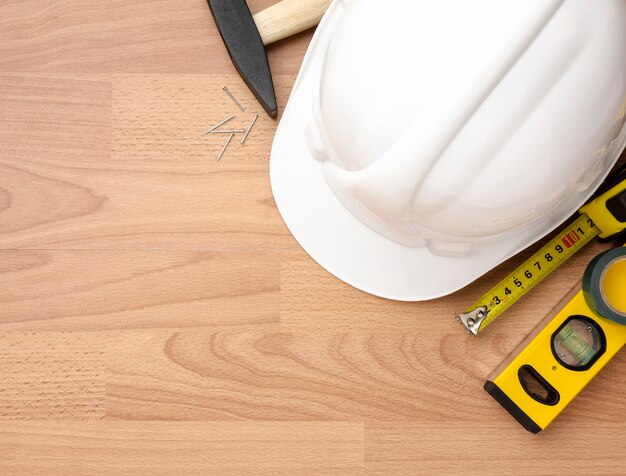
pixel 568 349
pixel 604 216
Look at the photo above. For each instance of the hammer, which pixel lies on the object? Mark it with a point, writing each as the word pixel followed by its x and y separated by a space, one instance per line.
pixel 245 37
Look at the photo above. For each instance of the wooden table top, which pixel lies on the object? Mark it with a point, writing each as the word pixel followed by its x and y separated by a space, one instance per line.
pixel 156 316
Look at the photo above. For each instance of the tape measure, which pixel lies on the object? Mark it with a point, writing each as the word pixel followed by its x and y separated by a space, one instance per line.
pixel 568 349
pixel 605 217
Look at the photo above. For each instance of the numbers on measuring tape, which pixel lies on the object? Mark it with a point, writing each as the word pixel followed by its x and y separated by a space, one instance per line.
pixel 571 239
pixel 539 265
pixel 535 269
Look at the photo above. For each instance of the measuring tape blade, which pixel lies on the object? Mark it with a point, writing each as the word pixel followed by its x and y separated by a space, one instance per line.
pixel 512 288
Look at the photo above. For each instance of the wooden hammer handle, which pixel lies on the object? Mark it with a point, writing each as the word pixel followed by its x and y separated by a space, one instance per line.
pixel 289 17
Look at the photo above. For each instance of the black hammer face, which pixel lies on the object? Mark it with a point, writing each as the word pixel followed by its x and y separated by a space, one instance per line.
pixel 245 47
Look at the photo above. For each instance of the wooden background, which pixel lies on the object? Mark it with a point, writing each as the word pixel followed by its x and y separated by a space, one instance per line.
pixel 157 317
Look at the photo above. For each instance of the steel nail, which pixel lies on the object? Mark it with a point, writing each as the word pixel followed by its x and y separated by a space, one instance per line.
pixel 249 128
pixel 218 125
pixel 233 98
pixel 230 137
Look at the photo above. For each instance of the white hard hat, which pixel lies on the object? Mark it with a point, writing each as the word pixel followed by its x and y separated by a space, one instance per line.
pixel 425 142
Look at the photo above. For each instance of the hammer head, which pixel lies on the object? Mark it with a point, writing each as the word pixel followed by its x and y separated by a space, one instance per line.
pixel 246 49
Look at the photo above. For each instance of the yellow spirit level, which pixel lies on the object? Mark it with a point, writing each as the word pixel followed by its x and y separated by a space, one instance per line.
pixel 604 216
pixel 568 348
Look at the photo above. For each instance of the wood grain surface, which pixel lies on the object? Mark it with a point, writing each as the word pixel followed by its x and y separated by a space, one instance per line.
pixel 156 316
